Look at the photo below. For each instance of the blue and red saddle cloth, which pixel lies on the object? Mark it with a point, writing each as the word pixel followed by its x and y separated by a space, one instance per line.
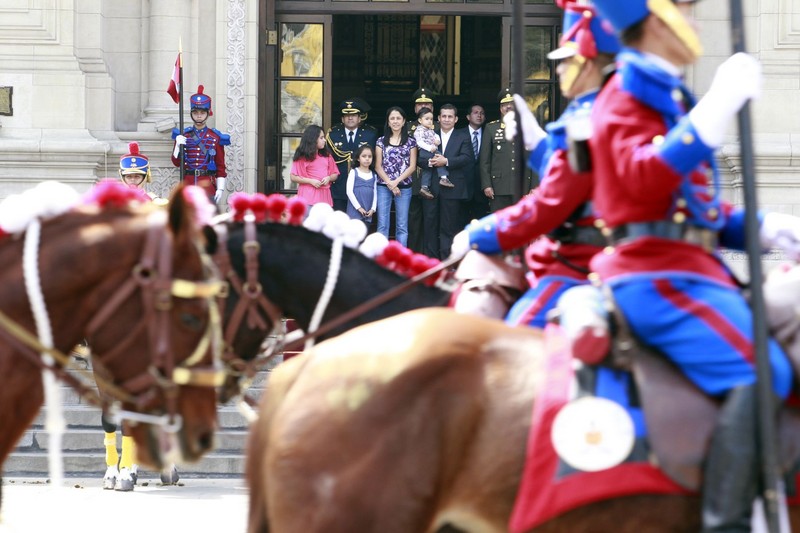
pixel 549 487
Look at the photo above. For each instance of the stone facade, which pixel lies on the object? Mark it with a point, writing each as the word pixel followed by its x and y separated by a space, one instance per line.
pixel 89 76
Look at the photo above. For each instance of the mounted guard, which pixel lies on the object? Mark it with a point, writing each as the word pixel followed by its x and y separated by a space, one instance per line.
pixel 657 192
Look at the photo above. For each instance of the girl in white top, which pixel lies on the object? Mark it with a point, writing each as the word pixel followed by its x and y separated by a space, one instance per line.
pixel 361 186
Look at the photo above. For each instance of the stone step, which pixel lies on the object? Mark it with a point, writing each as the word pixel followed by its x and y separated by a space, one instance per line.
pixel 78 464
pixel 87 416
pixel 91 441
pixel 70 396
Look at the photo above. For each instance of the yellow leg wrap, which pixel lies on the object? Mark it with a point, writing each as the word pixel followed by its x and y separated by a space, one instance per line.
pixel 110 442
pixel 128 452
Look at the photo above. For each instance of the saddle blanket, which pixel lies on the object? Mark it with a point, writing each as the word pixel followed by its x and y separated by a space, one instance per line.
pixel 550 486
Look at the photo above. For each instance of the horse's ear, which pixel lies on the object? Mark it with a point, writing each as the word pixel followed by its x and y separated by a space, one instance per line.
pixel 212 241
pixel 181 212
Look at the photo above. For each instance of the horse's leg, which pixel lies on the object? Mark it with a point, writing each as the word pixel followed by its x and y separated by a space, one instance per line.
pixel 366 455
pixel 280 380
pixel 170 476
pixel 128 470
pixel 112 457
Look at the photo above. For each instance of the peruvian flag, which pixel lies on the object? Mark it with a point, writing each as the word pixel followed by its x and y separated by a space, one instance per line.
pixel 174 82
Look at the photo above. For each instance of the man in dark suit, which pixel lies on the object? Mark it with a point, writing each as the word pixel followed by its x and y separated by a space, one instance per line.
pixel 416 225
pixel 477 203
pixel 343 140
pixel 444 215
pixel 499 161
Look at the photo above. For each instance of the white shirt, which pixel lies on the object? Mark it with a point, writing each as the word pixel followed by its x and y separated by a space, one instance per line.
pixel 445 138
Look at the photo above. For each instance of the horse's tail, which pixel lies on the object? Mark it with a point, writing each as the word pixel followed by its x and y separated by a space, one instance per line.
pixel 280 381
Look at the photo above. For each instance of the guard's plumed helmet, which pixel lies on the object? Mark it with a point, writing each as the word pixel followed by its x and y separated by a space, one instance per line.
pixel 623 14
pixel 200 100
pixel 134 163
pixel 585 33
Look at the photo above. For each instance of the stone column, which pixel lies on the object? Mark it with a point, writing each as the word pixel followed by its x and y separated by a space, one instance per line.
pixel 167 23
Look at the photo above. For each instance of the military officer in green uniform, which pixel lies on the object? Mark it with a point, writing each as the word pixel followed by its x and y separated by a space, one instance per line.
pixel 343 140
pixel 498 160
pixel 416 224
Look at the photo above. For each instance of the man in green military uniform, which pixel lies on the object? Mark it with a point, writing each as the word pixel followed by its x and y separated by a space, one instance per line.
pixel 416 225
pixel 498 160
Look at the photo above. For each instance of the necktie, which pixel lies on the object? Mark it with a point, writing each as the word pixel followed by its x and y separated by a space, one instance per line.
pixel 350 133
pixel 475 147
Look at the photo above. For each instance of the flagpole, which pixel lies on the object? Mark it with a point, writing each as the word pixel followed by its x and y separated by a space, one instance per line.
pixel 180 104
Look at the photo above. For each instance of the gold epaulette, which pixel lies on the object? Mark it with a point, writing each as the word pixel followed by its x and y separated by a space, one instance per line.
pixel 338 155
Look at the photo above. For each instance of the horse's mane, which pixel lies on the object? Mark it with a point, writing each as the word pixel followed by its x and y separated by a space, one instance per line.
pixel 324 222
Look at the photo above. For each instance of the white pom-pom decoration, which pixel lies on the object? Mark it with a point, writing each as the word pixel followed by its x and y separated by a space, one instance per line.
pixel 354 233
pixel 373 245
pixel 318 216
pixel 48 199
pixel 55 198
pixel 336 224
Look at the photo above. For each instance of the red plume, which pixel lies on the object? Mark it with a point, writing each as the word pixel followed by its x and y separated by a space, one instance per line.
pixel 200 89
pixel 296 210
pixel 133 148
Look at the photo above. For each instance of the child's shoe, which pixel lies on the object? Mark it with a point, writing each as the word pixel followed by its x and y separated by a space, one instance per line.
pixel 426 193
pixel 444 181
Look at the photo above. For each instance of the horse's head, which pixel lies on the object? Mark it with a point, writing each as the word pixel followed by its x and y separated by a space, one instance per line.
pixel 155 333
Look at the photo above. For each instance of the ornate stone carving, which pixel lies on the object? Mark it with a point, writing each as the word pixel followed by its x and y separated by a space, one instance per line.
pixel 235 52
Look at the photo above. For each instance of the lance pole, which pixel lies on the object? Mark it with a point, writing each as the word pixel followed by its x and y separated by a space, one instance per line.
pixel 766 408
pixel 180 106
pixel 517 62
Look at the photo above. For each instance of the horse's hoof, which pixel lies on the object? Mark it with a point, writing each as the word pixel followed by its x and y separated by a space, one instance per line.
pixel 169 476
pixel 135 474
pixel 110 479
pixel 124 481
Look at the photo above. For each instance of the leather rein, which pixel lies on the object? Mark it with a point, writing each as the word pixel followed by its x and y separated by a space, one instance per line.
pixel 152 278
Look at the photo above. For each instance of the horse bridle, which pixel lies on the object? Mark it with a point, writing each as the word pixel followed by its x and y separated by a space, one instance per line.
pixel 152 276
pixel 252 300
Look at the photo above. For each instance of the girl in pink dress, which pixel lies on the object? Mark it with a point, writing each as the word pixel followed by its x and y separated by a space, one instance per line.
pixel 313 169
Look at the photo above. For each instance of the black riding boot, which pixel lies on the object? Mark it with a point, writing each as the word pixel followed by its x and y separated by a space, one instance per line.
pixel 731 473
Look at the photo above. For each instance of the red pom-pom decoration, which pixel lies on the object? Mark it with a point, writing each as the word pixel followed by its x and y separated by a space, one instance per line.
pixel 112 193
pixel 296 210
pixel 239 203
pixel 276 204
pixel 404 260
pixel 392 251
pixel 259 206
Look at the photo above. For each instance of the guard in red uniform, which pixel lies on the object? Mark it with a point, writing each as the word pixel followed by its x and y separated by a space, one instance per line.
pixel 204 149
pixel 560 207
pixel 657 191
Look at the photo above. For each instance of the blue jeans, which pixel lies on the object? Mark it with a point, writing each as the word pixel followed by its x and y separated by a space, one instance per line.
pixel 401 204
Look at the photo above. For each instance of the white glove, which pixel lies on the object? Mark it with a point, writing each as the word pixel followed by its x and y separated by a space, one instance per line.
pixel 779 230
pixel 737 80
pixel 180 140
pixel 532 132
pixel 461 244
pixel 220 190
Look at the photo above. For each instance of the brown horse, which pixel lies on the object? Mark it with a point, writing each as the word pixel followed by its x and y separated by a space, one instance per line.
pixel 416 423
pixel 133 281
